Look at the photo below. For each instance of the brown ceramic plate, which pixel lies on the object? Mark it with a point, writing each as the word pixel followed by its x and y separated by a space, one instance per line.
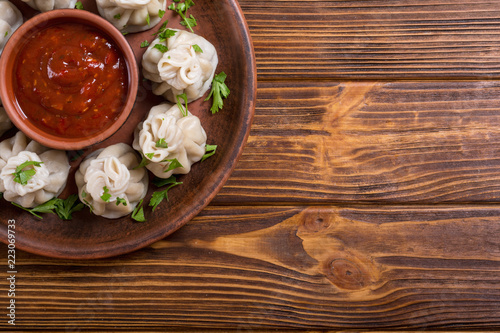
pixel 88 236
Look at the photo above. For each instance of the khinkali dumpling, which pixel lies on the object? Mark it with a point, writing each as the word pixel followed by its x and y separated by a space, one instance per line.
pixel 166 135
pixel 187 67
pixel 5 122
pixel 132 15
pixel 49 178
pixel 10 19
pixel 108 183
pixel 46 5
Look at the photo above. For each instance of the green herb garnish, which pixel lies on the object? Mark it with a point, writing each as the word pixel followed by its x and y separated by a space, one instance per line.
pixel 121 201
pixel 158 196
pixel 138 213
pixel 105 196
pixel 183 108
pixel 160 47
pixel 144 44
pixel 23 176
pixel 209 151
pixel 79 5
pixel 161 143
pixel 181 9
pixel 197 48
pixel 173 164
pixel 219 90
pixel 63 208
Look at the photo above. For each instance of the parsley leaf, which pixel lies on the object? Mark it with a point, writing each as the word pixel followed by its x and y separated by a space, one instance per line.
pixel 117 16
pixel 145 44
pixel 174 164
pixel 105 196
pixel 23 176
pixel 209 151
pixel 46 207
pixel 78 5
pixel 183 108
pixel 64 208
pixel 219 90
pixel 161 143
pixel 158 196
pixel 148 19
pixel 181 9
pixel 145 161
pixel 161 13
pixel 165 34
pixel 160 47
pixel 138 213
pixel 197 48
pixel 121 201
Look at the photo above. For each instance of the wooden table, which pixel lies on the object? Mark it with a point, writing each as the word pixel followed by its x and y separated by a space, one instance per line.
pixel 367 196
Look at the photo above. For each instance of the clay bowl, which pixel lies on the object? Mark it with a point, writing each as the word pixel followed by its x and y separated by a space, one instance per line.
pixel 8 86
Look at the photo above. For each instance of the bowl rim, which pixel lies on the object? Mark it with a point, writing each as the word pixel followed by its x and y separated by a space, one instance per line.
pixel 7 60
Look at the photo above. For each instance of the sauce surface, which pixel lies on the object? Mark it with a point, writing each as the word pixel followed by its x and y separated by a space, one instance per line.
pixel 71 80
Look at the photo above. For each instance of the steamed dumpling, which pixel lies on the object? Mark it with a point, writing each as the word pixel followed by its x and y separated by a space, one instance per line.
pixel 46 5
pixel 132 15
pixel 166 135
pixel 10 19
pixel 49 178
pixel 108 183
pixel 5 122
pixel 181 69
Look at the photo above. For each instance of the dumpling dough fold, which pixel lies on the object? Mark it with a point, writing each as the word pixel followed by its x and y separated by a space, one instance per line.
pixel 108 183
pixel 166 135
pixel 181 69
pixel 46 5
pixel 10 19
pixel 49 179
pixel 131 16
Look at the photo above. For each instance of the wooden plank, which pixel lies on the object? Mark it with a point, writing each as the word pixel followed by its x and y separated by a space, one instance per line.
pixel 371 141
pixel 375 39
pixel 247 268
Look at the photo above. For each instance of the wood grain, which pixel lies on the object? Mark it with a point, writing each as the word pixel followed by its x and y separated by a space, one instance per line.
pixel 283 267
pixel 371 141
pixel 375 39
pixel 365 200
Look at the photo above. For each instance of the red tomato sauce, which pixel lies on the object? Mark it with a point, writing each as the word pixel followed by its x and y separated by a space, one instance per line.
pixel 71 80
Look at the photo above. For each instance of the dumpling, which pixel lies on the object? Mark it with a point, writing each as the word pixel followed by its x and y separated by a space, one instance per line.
pixel 10 19
pixel 165 136
pixel 5 122
pixel 49 178
pixel 46 5
pixel 132 15
pixel 108 183
pixel 187 67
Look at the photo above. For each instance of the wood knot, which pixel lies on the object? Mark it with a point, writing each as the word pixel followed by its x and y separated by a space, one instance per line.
pixel 315 221
pixel 346 274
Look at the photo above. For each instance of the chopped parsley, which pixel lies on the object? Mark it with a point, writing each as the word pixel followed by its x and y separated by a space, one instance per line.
pixel 138 213
pixel 22 176
pixel 181 9
pixel 183 108
pixel 160 47
pixel 145 44
pixel 173 164
pixel 105 196
pixel 219 90
pixel 197 48
pixel 161 143
pixel 63 208
pixel 79 5
pixel 121 201
pixel 117 16
pixel 209 151
pixel 165 34
pixel 158 196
